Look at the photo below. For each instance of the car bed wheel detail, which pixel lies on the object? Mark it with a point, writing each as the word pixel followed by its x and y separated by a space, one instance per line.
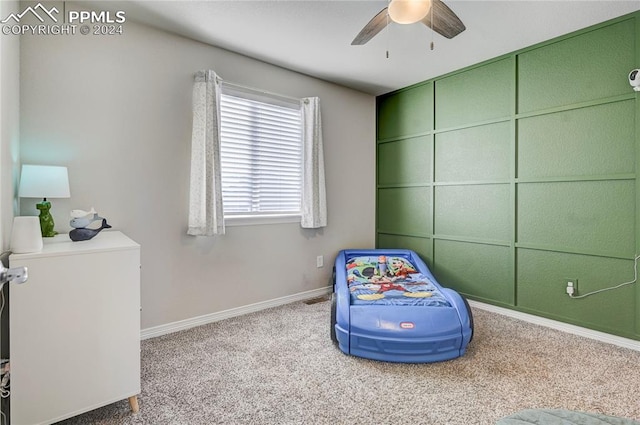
pixel 333 319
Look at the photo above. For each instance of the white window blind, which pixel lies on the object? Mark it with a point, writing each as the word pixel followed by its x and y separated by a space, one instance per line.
pixel 261 153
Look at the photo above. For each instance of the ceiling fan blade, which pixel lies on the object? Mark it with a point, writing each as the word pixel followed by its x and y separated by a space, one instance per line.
pixel 445 22
pixel 374 26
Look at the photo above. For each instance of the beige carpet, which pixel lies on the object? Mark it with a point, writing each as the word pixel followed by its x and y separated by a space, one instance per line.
pixel 279 366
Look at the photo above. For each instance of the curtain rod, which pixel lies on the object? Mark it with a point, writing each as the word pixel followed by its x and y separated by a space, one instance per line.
pixel 206 74
pixel 268 93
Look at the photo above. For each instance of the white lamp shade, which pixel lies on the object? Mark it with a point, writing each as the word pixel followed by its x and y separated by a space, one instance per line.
pixel 44 181
pixel 408 11
pixel 26 235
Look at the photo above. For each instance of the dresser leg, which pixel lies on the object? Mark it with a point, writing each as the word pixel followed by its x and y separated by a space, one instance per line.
pixel 133 402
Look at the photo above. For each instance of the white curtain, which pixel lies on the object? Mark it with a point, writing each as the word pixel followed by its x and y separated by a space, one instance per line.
pixel 206 216
pixel 314 197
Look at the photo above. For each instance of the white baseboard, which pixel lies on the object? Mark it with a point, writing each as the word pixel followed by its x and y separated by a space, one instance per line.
pixel 565 327
pixel 233 312
pixel 314 293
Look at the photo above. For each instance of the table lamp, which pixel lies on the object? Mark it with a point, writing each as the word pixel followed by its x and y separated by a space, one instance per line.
pixel 44 181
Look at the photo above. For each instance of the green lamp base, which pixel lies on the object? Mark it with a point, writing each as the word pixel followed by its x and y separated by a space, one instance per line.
pixel 46 220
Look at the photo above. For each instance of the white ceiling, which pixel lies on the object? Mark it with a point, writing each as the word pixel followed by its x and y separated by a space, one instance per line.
pixel 314 37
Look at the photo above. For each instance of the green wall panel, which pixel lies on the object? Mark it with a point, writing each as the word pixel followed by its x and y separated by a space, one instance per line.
pixel 542 282
pixel 475 153
pixel 594 217
pixel 475 269
pixel 511 176
pixel 476 95
pixel 589 66
pixel 598 140
pixel 405 211
pixel 406 113
pixel 474 211
pixel 405 161
pixel 422 246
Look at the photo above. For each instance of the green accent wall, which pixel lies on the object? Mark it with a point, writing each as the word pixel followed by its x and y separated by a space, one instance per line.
pixel 514 175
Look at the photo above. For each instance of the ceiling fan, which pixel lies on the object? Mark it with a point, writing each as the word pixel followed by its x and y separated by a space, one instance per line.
pixel 433 13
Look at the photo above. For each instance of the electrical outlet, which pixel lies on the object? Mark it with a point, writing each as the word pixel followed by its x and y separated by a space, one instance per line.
pixel 319 261
pixel 572 287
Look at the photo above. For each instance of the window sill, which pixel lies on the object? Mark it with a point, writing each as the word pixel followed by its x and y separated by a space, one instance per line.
pixel 252 220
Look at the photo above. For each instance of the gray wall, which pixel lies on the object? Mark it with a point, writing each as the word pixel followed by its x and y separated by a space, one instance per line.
pixel 9 123
pixel 117 111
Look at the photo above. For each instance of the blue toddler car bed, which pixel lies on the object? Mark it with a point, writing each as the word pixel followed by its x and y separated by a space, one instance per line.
pixel 386 305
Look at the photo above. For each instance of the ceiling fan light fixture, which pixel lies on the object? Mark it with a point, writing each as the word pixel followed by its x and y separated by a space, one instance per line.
pixel 408 11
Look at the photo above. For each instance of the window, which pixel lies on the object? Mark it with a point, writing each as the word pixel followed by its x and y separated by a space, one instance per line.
pixel 260 153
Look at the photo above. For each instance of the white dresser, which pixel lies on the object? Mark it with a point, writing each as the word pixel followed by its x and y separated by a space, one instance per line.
pixel 75 328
